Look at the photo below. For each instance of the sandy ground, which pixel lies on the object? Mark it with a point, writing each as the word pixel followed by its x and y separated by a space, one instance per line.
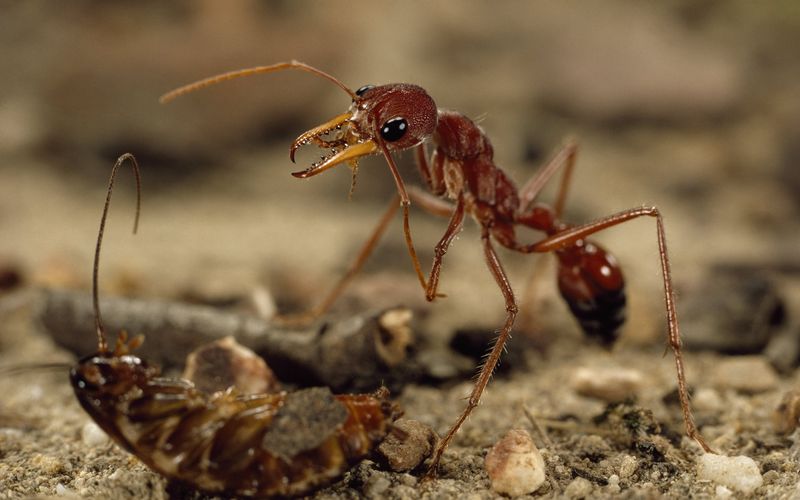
pixel 691 108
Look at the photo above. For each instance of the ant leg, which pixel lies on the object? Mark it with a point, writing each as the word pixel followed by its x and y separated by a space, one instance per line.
pixel 431 175
pixel 453 228
pixel 405 202
pixel 564 158
pixel 320 309
pixel 571 235
pixel 494 355
pixel 430 203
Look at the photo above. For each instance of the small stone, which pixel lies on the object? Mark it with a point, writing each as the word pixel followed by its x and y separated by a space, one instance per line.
pixel 93 435
pixel 611 384
pixel 514 464
pixel 739 473
pixel 48 464
pixel 395 336
pixel 225 363
pixel 733 310
pixel 407 445
pixel 579 488
pixel 747 374
pixel 627 467
pixel 707 399
pixel 62 490
pixel 723 492
pixel 613 484
pixel 786 416
pixel 376 486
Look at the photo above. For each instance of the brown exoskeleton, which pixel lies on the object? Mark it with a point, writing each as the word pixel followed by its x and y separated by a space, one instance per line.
pixel 248 445
pixel 388 118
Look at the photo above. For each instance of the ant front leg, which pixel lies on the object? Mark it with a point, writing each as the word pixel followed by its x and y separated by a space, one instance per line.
pixel 489 365
pixel 572 235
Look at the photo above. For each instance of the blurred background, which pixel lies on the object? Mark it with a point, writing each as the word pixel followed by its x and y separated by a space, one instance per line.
pixel 690 106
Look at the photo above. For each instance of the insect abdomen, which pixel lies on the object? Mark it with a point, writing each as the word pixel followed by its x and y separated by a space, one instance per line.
pixel 270 444
pixel 591 283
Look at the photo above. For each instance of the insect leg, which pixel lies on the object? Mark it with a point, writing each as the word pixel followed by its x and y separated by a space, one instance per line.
pixel 453 228
pixel 355 267
pixel 571 235
pixel 494 355
pixel 564 158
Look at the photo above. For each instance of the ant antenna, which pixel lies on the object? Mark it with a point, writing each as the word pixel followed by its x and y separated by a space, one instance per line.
pixel 101 336
pixel 213 80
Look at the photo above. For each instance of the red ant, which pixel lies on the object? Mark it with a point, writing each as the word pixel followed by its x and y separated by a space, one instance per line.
pixel 395 117
pixel 246 445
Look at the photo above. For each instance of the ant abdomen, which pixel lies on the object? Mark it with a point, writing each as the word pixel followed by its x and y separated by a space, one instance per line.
pixel 591 283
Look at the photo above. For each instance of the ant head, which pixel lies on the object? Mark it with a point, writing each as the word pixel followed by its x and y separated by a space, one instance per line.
pixel 382 118
pixel 401 115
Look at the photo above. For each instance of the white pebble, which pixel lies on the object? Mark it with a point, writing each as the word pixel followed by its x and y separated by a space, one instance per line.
pixel 739 473
pixel 609 384
pixel 723 492
pixel 613 484
pixel 706 399
pixel 62 490
pixel 579 488
pixel 515 465
pixel 93 435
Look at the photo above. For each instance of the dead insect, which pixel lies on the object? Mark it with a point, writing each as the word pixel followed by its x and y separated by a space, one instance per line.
pixel 255 445
pixel 394 117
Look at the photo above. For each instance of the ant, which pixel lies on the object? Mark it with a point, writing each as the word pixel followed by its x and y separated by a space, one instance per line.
pixel 395 117
pixel 245 445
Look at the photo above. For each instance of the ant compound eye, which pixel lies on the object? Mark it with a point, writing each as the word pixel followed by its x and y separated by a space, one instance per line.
pixel 394 129
pixel 363 89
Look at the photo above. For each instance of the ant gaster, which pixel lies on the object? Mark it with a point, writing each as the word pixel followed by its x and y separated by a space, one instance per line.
pixel 388 118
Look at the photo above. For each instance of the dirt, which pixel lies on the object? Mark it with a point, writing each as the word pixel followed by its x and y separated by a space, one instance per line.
pixel 689 107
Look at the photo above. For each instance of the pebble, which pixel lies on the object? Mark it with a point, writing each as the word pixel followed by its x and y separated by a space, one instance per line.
pixel 376 486
pixel 628 466
pixel 707 399
pixel 225 363
pixel 609 384
pixel 747 374
pixel 514 464
pixel 409 443
pixel 613 484
pixel 739 321
pixel 723 492
pixel 786 416
pixel 579 488
pixel 739 473
pixel 93 435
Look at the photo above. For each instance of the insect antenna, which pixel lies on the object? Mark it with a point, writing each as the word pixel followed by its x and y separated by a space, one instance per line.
pixel 98 321
pixel 257 70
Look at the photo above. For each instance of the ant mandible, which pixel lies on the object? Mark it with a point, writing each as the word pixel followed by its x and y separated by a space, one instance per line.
pixel 388 118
